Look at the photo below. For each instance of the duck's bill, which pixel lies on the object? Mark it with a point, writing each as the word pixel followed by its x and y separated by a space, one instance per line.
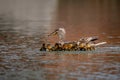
pixel 53 33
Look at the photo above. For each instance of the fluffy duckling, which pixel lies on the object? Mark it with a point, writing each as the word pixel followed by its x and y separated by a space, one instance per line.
pixel 87 43
pixel 82 46
pixel 46 47
pixel 43 48
pixel 89 46
pixel 49 47
pixel 66 46
pixel 57 47
pixel 69 46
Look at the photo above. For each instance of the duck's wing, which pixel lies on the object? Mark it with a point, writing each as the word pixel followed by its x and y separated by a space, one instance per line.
pixel 89 39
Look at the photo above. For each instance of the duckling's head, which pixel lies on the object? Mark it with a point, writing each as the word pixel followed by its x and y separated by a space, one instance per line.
pixel 49 46
pixel 43 45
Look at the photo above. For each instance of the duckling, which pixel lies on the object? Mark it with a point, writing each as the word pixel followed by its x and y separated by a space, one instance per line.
pixel 57 47
pixel 89 46
pixel 87 43
pixel 82 46
pixel 66 46
pixel 49 47
pixel 43 48
pixel 74 45
pixel 69 46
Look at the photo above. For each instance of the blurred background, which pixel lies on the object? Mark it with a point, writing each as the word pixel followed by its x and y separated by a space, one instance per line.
pixel 79 17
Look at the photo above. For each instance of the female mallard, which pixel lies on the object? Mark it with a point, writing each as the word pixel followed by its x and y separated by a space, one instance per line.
pixel 60 32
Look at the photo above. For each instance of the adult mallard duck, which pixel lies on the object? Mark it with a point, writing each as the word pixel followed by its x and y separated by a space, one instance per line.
pixel 60 32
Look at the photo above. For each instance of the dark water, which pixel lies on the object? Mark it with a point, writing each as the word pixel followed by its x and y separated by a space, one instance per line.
pixel 23 28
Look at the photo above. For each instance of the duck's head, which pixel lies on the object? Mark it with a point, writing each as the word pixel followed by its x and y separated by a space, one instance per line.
pixel 59 31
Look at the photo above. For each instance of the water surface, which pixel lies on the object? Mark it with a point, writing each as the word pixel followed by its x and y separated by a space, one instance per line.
pixel 25 24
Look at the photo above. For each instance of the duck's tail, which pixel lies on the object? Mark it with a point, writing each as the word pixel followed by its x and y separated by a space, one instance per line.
pixel 101 43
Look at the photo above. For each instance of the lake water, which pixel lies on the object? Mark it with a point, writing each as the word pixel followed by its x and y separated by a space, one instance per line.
pixel 24 26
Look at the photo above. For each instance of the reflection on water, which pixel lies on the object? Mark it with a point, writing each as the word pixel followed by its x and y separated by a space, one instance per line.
pixel 23 28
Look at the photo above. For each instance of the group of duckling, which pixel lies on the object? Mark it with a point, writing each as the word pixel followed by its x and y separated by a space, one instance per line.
pixel 84 44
